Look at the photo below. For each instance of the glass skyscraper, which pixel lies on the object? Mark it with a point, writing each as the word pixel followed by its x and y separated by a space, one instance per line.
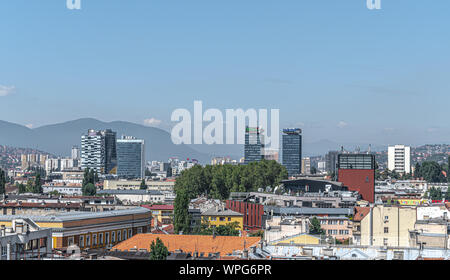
pixel 292 150
pixel 254 147
pixel 130 158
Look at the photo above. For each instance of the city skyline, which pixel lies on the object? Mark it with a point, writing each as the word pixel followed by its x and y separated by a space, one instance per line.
pixel 64 65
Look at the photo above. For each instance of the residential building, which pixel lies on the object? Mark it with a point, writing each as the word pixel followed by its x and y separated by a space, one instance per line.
pixel 340 228
pixel 292 150
pixel 22 239
pixel 130 158
pixel 279 227
pixel 399 159
pixel 388 226
pixel 98 151
pixel 215 217
pixel 161 213
pixel 135 197
pixel 432 233
pixel 306 165
pixel 166 185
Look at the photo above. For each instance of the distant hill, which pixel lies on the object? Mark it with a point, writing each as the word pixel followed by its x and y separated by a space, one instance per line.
pixel 58 139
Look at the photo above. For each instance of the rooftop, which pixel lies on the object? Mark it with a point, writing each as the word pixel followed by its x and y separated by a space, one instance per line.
pixel 205 244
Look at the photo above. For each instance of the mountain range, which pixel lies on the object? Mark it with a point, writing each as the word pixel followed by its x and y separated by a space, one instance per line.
pixel 58 139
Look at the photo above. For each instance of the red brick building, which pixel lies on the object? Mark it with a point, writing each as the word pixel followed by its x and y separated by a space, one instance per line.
pixel 357 172
pixel 252 212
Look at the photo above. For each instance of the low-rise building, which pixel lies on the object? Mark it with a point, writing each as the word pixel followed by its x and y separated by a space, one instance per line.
pixel 162 213
pixel 215 217
pixel 278 227
pixel 340 228
pixel 431 233
pixel 89 229
pixel 135 197
pixel 199 245
pixel 24 240
pixel 387 225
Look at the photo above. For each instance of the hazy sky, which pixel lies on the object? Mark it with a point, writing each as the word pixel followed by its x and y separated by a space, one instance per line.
pixel 334 68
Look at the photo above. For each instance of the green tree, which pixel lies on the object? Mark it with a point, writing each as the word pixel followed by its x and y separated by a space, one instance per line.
pixel 181 221
pixel 315 226
pixel 90 190
pixel 22 188
pixel 37 187
pixel 447 194
pixel 143 185
pixel 2 182
pixel 158 251
pixel 431 172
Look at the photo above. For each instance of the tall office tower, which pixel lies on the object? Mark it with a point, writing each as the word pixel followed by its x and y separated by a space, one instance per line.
pixel 292 150
pixel 254 147
pixel 93 151
pixel 399 159
pixel 306 165
pixel 75 153
pixel 357 172
pixel 130 158
pixel 331 161
pixel 110 151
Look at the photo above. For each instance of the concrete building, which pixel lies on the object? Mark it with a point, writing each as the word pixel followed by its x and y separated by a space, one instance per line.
pixel 22 239
pixel 167 185
pixel 215 217
pixel 340 228
pixel 98 151
pixel 306 165
pixel 399 159
pixel 432 233
pixel 89 229
pixel 278 227
pixel 135 197
pixel 387 226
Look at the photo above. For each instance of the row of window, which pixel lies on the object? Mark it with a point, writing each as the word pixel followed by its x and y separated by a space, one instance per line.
pixel 103 238
pixel 221 219
pixel 332 222
pixel 335 232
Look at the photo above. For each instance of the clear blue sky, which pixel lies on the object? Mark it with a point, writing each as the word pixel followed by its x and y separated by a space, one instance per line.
pixel 336 69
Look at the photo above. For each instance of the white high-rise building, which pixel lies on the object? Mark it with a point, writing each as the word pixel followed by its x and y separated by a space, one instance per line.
pixel 93 151
pixel 399 158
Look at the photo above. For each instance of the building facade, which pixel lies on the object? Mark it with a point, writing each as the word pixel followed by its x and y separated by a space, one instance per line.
pixel 254 147
pixel 130 158
pixel 357 172
pixel 399 159
pixel 98 151
pixel 292 150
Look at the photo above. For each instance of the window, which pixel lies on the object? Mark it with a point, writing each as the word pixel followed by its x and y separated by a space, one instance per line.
pixel 81 243
pixel 229 219
pixel 139 230
pixel 341 222
pixel 100 238
pixel 70 241
pixel 88 240
pixel 386 218
pixel 213 218
pixel 124 234
pixel 113 236
pixel 130 233
pixel 107 237
pixel 386 230
pixel 4 251
pixel 119 235
pixel 222 219
pixel 94 240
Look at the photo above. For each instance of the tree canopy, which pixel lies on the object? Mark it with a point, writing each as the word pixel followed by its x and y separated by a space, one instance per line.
pixel 158 251
pixel 217 181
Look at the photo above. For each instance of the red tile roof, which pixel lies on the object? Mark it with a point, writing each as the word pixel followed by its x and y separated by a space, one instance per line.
pixel 190 243
pixel 360 213
pixel 158 207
